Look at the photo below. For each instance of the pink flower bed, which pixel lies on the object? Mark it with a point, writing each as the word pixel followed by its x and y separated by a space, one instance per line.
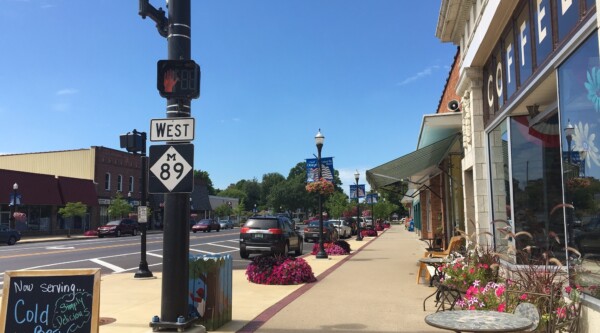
pixel 337 248
pixel 279 270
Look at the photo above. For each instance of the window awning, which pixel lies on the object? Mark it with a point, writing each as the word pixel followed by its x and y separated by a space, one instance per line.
pixel 419 163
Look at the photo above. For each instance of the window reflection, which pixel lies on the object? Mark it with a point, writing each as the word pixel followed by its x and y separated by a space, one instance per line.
pixel 579 103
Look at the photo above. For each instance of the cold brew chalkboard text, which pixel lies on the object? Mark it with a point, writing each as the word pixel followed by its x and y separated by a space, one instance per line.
pixel 65 302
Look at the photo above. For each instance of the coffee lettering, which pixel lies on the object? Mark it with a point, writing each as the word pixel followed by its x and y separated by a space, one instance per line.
pixel 541 14
pixel 523 38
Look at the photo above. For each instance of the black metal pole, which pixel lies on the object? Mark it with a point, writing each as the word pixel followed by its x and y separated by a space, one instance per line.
pixel 321 254
pixel 14 210
pixel 359 237
pixel 143 270
pixel 177 205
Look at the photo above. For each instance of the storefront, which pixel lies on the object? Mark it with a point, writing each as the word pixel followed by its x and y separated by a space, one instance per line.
pixel 530 92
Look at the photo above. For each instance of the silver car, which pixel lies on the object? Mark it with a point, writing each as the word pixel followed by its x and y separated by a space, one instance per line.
pixel 343 227
pixel 226 224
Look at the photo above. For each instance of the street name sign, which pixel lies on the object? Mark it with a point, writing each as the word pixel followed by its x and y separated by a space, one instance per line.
pixel 172 129
pixel 171 169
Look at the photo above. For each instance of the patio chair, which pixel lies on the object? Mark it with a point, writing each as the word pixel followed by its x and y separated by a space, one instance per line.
pixel 454 246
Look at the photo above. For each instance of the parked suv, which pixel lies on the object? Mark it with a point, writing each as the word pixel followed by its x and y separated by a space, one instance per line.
pixel 119 227
pixel 269 234
pixel 9 236
pixel 330 233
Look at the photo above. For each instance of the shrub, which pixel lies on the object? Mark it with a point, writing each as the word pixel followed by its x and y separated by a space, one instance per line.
pixel 337 248
pixel 279 270
pixel 369 233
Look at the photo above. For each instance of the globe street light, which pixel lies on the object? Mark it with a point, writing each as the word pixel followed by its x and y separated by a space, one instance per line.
pixel 359 236
pixel 569 130
pixel 319 138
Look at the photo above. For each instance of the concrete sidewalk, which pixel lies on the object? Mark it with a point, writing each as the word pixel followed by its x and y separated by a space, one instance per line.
pixel 371 290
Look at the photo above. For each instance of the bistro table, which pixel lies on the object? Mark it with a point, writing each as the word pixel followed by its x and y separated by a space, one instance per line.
pixel 436 263
pixel 478 321
pixel 429 242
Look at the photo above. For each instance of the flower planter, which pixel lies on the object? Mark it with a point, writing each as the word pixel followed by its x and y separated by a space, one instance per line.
pixel 279 270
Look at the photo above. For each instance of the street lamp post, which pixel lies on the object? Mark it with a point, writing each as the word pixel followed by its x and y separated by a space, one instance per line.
pixel 319 138
pixel 14 206
pixel 569 130
pixel 359 236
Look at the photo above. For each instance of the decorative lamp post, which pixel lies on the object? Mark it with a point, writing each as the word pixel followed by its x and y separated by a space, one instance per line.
pixel 319 138
pixel 14 206
pixel 359 236
pixel 569 130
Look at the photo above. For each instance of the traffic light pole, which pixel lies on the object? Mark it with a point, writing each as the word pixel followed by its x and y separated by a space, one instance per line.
pixel 177 205
pixel 176 238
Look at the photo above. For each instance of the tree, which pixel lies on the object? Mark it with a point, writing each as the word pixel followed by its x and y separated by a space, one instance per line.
pixel 73 209
pixel 118 207
pixel 223 210
pixel 269 180
pixel 336 204
pixel 202 177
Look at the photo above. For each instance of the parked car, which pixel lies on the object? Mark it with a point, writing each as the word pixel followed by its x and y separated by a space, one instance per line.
pixel 311 232
pixel 119 227
pixel 344 228
pixel 206 225
pixel 587 238
pixel 271 235
pixel 9 236
pixel 226 224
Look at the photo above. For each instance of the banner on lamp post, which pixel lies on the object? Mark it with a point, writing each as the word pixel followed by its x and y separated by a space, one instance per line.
pixel 372 198
pixel 361 191
pixel 312 169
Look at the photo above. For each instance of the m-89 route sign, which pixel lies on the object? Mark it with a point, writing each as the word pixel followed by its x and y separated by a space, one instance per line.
pixel 171 169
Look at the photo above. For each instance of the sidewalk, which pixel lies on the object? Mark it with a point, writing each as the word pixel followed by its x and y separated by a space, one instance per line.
pixel 371 290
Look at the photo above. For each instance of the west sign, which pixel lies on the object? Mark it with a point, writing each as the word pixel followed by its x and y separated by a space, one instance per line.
pixel 172 129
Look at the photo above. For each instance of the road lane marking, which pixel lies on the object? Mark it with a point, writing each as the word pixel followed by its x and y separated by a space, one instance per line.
pixel 154 254
pixel 202 251
pixel 60 247
pixel 115 268
pixel 225 246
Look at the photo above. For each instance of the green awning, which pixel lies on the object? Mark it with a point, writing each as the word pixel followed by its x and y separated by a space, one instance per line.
pixel 419 163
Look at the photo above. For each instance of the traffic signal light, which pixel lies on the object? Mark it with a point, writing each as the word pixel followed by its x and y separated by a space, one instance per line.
pixel 178 79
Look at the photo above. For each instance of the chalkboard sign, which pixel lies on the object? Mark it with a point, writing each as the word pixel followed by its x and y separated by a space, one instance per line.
pixel 51 301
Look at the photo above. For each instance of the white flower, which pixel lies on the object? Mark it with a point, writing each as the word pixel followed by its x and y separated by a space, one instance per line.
pixel 593 87
pixel 583 142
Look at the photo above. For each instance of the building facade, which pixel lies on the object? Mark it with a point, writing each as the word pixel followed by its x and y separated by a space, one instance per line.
pixel 528 85
pixel 113 172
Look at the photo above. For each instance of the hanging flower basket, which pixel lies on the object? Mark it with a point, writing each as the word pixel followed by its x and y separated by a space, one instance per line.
pixel 321 186
pixel 19 216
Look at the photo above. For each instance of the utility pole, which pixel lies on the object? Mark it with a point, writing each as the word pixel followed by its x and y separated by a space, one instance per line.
pixel 175 276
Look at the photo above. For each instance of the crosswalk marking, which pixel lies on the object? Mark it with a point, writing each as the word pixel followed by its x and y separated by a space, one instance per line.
pixel 115 268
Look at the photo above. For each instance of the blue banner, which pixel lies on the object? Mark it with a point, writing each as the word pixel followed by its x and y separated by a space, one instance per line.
pixel 372 198
pixel 312 169
pixel 361 191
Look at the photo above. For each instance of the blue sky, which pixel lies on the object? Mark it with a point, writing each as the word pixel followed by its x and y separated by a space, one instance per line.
pixel 78 73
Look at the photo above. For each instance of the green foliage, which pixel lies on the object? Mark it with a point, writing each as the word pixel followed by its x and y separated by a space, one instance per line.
pixel 223 210
pixel 118 207
pixel 202 177
pixel 73 209
pixel 336 204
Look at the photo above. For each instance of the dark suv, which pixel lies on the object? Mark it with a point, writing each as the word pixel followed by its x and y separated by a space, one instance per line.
pixel 269 234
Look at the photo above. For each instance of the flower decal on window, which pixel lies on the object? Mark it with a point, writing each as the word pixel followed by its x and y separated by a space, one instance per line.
pixel 593 87
pixel 583 142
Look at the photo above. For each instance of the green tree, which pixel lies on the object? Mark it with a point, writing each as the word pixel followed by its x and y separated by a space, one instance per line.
pixel 202 177
pixel 72 210
pixel 118 207
pixel 223 210
pixel 269 180
pixel 336 204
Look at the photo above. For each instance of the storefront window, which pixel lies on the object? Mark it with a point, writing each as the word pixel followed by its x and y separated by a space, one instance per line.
pixel 579 104
pixel 536 188
pixel 499 161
